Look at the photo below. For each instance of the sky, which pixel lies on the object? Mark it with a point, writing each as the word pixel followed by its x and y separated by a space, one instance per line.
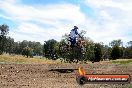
pixel 41 20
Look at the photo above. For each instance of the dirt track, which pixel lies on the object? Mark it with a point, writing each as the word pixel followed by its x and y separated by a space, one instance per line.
pixel 39 76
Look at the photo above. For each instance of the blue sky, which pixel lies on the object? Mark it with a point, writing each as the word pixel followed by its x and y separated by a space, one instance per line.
pixel 40 20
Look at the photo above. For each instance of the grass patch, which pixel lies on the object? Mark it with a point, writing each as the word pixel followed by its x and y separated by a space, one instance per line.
pixel 19 59
pixel 130 86
pixel 122 62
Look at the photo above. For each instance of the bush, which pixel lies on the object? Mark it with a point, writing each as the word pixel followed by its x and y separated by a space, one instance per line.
pixel 116 52
pixel 27 51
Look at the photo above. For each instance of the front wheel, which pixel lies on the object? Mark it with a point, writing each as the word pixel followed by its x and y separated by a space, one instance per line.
pixel 68 42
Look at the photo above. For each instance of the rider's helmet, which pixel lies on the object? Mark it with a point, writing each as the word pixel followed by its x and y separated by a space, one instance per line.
pixel 75 27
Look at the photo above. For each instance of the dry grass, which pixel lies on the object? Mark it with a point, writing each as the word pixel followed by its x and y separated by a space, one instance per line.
pixel 18 59
pixel 122 61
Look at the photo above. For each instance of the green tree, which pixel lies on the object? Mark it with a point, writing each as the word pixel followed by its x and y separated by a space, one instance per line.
pixel 97 52
pixel 22 45
pixel 49 49
pixel 117 42
pixel 89 50
pixel 106 52
pixel 117 49
pixel 17 49
pixel 38 48
pixel 4 29
pixel 128 50
pixel 116 52
pixel 9 45
pixel 27 51
pixel 129 43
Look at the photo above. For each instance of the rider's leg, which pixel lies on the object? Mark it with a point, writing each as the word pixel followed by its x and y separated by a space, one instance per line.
pixel 71 40
pixel 74 41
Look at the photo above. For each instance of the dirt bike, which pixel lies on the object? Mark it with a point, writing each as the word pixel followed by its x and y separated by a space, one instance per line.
pixel 67 49
pixel 80 44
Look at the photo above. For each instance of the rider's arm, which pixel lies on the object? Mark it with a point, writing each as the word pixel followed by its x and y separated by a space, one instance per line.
pixel 76 32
